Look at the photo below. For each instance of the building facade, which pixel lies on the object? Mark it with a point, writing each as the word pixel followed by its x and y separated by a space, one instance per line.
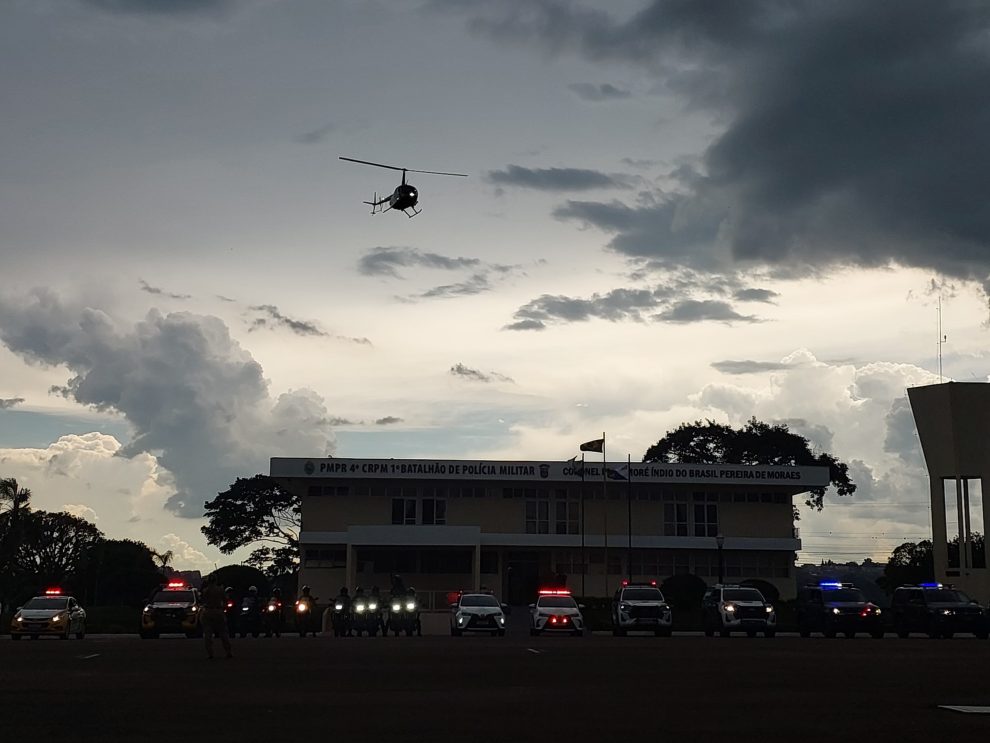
pixel 509 525
pixel 952 421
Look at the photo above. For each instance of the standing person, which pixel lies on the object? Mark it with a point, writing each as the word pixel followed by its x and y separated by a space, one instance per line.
pixel 212 618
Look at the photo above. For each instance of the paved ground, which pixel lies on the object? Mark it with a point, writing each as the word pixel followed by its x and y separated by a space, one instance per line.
pixel 486 689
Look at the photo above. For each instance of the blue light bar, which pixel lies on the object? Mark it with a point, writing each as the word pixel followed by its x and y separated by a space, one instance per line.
pixel 829 584
pixel 931 585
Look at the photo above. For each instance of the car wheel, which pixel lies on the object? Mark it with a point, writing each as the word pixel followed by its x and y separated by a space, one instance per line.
pixel 829 633
pixel 804 632
pixel 501 633
pixel 849 635
pixel 877 635
pixel 34 637
pixel 948 635
pixel 770 633
pixel 578 633
pixel 983 635
pixel 751 633
pixel 663 633
pixel 533 632
pixel 455 632
pixel 15 637
pixel 725 633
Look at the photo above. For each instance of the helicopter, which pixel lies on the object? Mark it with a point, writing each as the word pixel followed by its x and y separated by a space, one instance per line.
pixel 405 196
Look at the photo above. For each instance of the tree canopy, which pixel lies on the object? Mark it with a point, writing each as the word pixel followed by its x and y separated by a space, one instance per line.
pixel 755 443
pixel 256 511
pixel 911 562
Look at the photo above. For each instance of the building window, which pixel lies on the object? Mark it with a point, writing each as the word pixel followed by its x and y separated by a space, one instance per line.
pixel 705 519
pixel 537 517
pixel 569 562
pixel 489 562
pixel 404 511
pixel 646 563
pixel 434 511
pixel 675 519
pixel 566 515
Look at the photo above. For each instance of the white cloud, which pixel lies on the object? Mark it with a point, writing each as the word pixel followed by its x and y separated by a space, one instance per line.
pixel 184 555
pixel 81 511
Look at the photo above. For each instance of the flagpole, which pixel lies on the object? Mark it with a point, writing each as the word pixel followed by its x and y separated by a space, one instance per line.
pixel 584 557
pixel 605 499
pixel 629 509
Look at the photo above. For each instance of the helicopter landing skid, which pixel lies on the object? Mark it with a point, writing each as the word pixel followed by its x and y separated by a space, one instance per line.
pixel 415 211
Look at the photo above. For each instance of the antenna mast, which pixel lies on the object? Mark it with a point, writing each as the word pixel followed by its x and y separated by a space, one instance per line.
pixel 941 339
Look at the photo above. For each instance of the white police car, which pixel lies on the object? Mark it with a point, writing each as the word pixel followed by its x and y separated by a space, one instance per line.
pixel 51 614
pixel 555 611
pixel 477 612
pixel 640 606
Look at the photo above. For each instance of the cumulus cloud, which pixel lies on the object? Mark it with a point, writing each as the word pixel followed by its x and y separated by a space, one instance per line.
pixel 476 375
pixel 9 402
pixel 185 554
pixel 146 287
pixel 852 133
pixel 195 398
pixel 598 93
pixel 82 511
pixel 388 420
pixel 557 179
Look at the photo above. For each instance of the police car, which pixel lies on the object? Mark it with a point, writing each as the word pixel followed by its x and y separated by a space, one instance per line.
pixel 727 607
pixel 50 614
pixel 640 606
pixel 938 610
pixel 477 612
pixel 831 607
pixel 172 608
pixel 556 610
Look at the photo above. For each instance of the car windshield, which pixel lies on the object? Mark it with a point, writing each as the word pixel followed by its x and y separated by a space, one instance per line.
pixel 479 601
pixel 837 595
pixel 173 597
pixel 46 603
pixel 642 594
pixel 557 602
pixel 946 596
pixel 741 594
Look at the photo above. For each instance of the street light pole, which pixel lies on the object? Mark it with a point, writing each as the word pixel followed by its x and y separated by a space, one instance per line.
pixel 720 542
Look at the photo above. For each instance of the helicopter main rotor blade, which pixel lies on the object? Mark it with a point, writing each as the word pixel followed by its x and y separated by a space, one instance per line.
pixel 394 167
pixel 435 172
pixel 366 162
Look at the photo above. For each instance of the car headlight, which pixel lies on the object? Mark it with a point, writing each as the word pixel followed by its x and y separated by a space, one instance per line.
pixel 730 608
pixel 877 611
pixel 623 607
pixel 501 619
pixel 194 609
pixel 147 609
pixel 411 606
pixel 396 607
pixel 769 610
pixel 460 619
pixel 57 618
pixel 947 612
pixel 19 618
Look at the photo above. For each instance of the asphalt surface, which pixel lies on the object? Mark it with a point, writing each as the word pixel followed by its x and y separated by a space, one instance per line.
pixel 119 688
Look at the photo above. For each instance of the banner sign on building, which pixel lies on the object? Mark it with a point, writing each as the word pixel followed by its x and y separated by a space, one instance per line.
pixel 517 471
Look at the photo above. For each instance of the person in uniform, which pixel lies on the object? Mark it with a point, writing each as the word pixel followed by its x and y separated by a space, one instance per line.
pixel 212 618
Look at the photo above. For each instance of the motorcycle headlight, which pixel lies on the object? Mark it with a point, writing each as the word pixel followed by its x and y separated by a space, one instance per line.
pixel 271 607
pixel 359 608
pixel 338 607
pixel 301 608
pixel 372 607
pixel 396 607
pixel 411 606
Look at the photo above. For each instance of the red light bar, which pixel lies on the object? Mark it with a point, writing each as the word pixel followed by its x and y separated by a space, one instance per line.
pixel 53 591
pixel 625 583
pixel 555 591
pixel 653 582
pixel 176 584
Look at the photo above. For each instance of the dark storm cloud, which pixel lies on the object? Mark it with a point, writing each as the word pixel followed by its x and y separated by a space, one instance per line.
pixel 146 287
pixel 702 310
pixel 194 397
pixel 556 179
pixel 387 420
pixel 818 435
pixel 10 402
pixel 161 7
pixel 756 295
pixel 747 366
pixel 387 261
pixel 854 132
pixel 476 375
pixel 598 93
pixel 902 434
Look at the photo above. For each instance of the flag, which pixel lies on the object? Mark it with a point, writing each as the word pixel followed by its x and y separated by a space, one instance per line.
pixel 577 466
pixel 596 445
pixel 613 473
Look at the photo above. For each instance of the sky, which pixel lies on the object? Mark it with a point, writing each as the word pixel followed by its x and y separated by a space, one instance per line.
pixel 675 211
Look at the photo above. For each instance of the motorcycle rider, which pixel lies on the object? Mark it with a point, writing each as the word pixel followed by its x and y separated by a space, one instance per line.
pixel 359 616
pixel 250 618
pixel 379 611
pixel 305 606
pixel 230 610
pixel 340 614
pixel 416 624
pixel 396 599
pixel 273 614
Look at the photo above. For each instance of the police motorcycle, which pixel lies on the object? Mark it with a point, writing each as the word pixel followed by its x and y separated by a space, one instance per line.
pixel 272 615
pixel 230 610
pixel 364 613
pixel 340 614
pixel 403 615
pixel 305 608
pixel 249 619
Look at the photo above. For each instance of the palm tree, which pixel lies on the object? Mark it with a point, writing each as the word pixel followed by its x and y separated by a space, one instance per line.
pixel 163 559
pixel 14 501
pixel 13 498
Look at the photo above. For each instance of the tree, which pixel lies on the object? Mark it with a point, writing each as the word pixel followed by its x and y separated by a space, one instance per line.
pixel 256 511
pixel 164 559
pixel 241 578
pixel 120 572
pixel 684 592
pixel 911 562
pixel 15 502
pixel 755 443
pixel 56 546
